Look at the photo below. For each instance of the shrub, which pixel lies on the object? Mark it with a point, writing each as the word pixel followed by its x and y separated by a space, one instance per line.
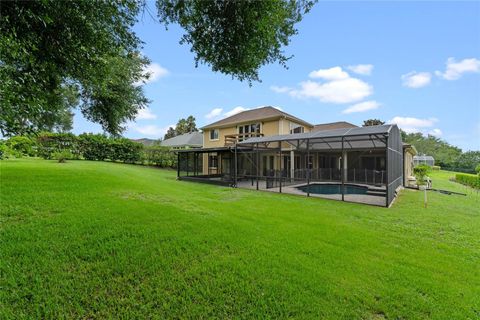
pixel 468 179
pixel 420 173
pixel 125 150
pixel 95 146
pixel 21 146
pixel 63 146
pixel 50 143
pixel 100 147
pixel 477 169
pixel 62 156
pixel 160 156
pixel 5 151
pixel 436 168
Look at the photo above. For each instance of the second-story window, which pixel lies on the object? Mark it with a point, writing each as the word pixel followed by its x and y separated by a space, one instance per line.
pixel 214 134
pixel 296 128
pixel 248 130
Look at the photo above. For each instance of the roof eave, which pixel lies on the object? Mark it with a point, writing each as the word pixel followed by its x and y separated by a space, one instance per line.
pixel 227 125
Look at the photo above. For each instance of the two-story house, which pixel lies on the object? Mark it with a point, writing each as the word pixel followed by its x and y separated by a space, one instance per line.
pixel 224 134
pixel 266 148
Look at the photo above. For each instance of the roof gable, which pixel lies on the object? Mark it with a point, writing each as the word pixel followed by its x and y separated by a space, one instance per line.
pixel 333 125
pixel 188 139
pixel 256 114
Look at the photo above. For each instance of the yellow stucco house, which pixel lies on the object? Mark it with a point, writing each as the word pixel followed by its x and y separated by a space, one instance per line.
pixel 266 148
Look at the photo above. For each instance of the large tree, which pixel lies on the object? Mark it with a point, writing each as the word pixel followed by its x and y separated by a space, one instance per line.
pixel 236 37
pixel 183 126
pixel 49 44
pixel 170 133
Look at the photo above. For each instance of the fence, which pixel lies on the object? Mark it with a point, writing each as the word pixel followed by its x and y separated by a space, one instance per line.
pixel 357 176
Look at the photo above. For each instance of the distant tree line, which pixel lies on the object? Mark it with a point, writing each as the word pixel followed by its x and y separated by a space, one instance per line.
pixel 446 156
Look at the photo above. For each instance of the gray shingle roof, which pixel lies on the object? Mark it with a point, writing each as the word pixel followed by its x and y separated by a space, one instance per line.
pixel 255 114
pixel 193 139
pixel 333 125
pixel 358 137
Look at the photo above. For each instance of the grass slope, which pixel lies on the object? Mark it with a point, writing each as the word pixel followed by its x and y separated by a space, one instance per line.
pixel 102 240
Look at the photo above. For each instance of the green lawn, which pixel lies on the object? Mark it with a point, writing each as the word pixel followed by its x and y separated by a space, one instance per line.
pixel 100 240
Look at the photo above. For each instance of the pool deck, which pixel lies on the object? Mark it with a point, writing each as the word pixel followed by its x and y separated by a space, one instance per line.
pixel 292 189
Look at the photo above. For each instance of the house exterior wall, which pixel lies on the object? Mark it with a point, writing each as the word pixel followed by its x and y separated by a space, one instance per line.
pixel 220 142
pixel 407 166
pixel 268 128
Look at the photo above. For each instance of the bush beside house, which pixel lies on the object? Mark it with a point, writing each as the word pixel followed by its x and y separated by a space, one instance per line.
pixel 420 173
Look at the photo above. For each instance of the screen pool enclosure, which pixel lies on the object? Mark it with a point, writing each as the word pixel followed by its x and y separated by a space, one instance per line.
pixel 423 159
pixel 363 164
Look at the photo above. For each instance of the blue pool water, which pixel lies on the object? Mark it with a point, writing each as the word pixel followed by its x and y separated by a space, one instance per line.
pixel 333 189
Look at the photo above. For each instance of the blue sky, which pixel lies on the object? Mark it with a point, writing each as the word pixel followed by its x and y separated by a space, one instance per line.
pixel 413 63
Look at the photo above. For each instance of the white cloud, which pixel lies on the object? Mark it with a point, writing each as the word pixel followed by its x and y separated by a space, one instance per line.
pixel 363 69
pixel 278 89
pixel 214 113
pixel 155 71
pixel 435 132
pixel 410 124
pixel 338 91
pixel 145 114
pixel 416 79
pixel 362 107
pixel 152 130
pixel 337 87
pixel 335 73
pixel 455 70
pixel 414 122
pixel 235 111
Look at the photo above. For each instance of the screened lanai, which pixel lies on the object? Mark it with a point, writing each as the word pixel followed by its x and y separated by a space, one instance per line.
pixel 423 159
pixel 363 164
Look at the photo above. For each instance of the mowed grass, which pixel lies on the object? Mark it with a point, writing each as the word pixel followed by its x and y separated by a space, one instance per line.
pixel 106 240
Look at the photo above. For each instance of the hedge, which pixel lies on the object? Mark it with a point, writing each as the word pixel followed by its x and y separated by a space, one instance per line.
pixel 160 156
pixel 20 146
pixel 50 143
pixel 94 146
pixel 100 147
pixel 87 146
pixel 468 179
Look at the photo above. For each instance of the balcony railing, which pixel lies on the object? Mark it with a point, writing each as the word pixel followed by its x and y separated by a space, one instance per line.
pixel 231 139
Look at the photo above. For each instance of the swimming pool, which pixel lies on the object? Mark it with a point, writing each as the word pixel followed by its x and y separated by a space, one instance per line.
pixel 330 188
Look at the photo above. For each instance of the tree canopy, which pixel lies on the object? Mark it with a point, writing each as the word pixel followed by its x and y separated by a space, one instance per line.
pixel 51 45
pixel 183 126
pixel 444 153
pixel 236 37
pixel 470 161
pixel 48 45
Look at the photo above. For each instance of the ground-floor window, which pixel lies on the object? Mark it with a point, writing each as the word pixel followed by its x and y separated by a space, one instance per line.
pixel 213 161
pixel 373 162
pixel 328 162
